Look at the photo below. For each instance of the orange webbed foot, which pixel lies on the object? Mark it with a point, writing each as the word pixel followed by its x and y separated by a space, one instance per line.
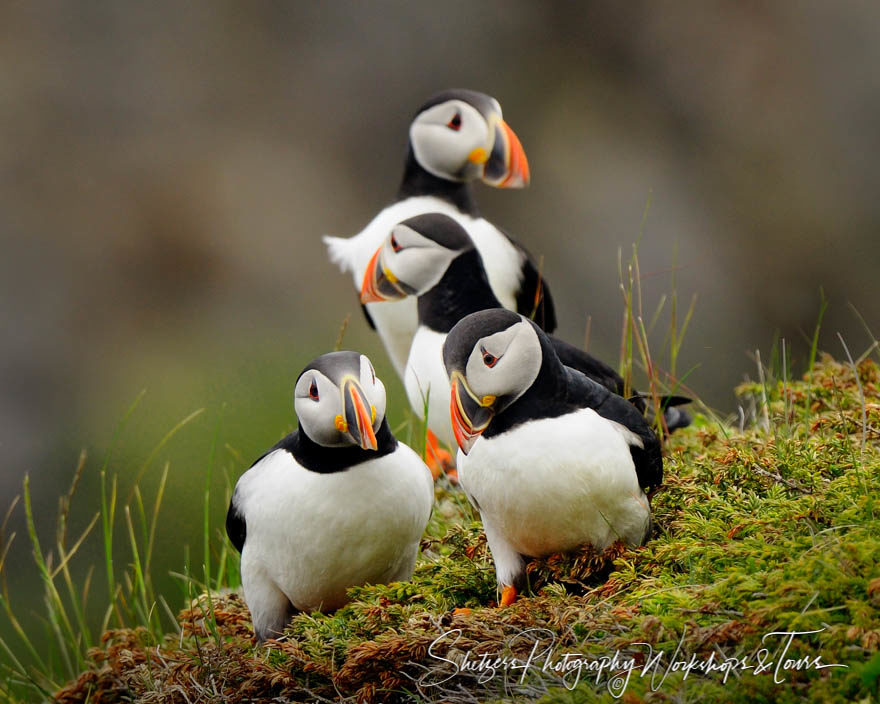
pixel 438 459
pixel 508 595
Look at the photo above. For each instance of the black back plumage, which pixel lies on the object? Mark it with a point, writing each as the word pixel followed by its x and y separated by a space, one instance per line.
pixel 464 289
pixel 533 298
pixel 559 390
pixel 596 369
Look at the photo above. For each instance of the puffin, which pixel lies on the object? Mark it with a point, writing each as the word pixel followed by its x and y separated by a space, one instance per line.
pixel 457 137
pixel 550 458
pixel 430 257
pixel 337 503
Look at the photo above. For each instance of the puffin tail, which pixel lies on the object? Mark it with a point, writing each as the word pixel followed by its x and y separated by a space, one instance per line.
pixel 674 416
pixel 339 249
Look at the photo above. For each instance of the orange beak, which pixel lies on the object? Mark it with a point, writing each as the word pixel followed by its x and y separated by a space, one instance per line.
pixel 369 289
pixel 380 284
pixel 469 417
pixel 357 416
pixel 518 165
pixel 507 166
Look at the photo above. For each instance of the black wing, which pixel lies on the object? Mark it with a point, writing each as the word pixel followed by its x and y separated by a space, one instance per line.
pixel 367 316
pixel 588 365
pixel 648 459
pixel 236 528
pixel 533 299
pixel 603 374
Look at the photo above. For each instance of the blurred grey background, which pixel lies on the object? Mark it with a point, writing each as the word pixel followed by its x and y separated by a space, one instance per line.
pixel 167 169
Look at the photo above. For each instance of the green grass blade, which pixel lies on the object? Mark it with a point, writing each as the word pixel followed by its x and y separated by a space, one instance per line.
pixel 212 455
pixel 138 590
pixel 112 607
pixel 108 519
pixel 67 555
pixel 119 428
pixel 160 492
pixel 172 617
pixel 855 371
pixel 63 567
pixel 657 312
pixel 67 499
pixel 343 328
pixel 142 514
pixel 814 346
pixel 45 688
pixel 57 612
pixel 678 336
pixel 211 620
pixel 158 448
pixel 875 344
pixel 108 511
pixel 19 631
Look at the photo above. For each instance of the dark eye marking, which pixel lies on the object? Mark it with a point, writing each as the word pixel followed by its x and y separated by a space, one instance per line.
pixel 313 391
pixel 395 245
pixel 455 122
pixel 489 359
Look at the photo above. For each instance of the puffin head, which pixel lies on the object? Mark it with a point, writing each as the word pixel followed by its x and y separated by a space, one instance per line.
pixel 340 401
pixel 492 358
pixel 459 135
pixel 413 257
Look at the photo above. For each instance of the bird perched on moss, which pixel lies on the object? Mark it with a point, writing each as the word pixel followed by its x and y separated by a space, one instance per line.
pixel 338 503
pixel 431 257
pixel 551 459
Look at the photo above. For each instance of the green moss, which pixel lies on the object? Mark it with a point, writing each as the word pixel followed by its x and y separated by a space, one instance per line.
pixel 761 530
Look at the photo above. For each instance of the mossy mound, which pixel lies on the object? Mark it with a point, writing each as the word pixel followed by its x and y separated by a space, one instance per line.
pixel 769 529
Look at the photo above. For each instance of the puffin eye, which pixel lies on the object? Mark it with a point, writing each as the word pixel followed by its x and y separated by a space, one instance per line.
pixel 395 245
pixel 373 373
pixel 313 391
pixel 489 359
pixel 455 122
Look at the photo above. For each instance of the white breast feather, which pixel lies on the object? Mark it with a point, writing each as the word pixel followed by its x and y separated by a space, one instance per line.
pixel 314 535
pixel 553 484
pixel 425 378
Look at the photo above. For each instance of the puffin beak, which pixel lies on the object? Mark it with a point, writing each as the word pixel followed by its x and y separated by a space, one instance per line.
pixel 470 416
pixel 358 421
pixel 507 166
pixel 380 284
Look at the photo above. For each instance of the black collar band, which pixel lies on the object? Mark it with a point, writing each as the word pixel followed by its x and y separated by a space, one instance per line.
pixel 418 182
pixel 327 460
